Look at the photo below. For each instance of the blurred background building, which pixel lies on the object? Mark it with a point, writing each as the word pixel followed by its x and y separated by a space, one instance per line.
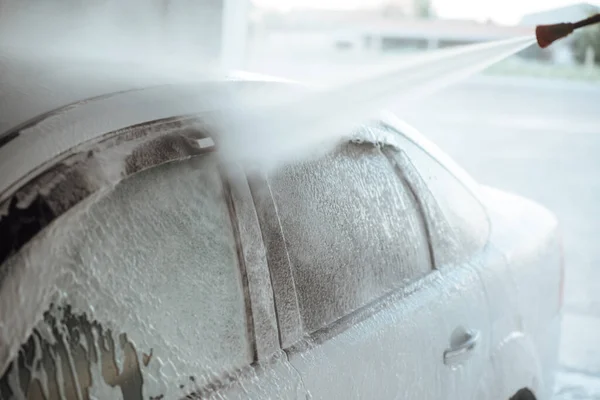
pixel 398 26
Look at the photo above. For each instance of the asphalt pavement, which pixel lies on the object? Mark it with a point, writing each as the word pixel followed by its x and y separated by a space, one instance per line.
pixel 536 137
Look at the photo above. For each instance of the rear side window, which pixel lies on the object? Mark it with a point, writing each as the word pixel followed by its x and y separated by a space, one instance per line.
pixel 459 224
pixel 352 230
pixel 154 303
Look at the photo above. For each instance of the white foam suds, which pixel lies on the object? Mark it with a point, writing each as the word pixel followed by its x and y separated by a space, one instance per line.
pixel 260 129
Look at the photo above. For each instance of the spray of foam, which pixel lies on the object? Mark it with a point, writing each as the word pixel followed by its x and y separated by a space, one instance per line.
pixel 281 126
pixel 264 127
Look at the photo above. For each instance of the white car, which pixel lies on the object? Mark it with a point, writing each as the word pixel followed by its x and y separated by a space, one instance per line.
pixel 133 265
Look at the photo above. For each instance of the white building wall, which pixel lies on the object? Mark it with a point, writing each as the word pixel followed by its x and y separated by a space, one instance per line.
pixel 213 30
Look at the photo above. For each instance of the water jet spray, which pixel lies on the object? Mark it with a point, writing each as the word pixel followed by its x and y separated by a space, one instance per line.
pixel 275 127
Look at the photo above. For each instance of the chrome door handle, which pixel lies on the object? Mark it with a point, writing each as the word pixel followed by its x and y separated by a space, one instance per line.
pixel 462 351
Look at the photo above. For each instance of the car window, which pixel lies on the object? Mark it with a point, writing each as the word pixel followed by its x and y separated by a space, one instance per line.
pixel 459 223
pixel 153 293
pixel 352 230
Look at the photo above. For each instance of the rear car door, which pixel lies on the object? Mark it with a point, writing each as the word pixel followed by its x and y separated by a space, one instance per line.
pixel 162 292
pixel 362 310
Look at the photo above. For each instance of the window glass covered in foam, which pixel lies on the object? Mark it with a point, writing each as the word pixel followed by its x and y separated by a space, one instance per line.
pixel 458 221
pixel 352 230
pixel 152 302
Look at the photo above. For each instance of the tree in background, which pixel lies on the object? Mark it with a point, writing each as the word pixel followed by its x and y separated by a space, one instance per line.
pixel 424 9
pixel 586 44
pixel 392 9
pixel 407 8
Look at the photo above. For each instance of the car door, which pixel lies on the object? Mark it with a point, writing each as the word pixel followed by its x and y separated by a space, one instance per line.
pixel 164 294
pixel 362 310
pixel 458 234
pixel 459 231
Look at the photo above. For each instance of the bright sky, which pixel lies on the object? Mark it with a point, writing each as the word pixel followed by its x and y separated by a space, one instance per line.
pixel 501 11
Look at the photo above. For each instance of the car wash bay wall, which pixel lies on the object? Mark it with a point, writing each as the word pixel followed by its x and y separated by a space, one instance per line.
pixel 212 30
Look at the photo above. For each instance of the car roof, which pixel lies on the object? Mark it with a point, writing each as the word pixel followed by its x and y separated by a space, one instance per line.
pixel 47 109
pixel 33 86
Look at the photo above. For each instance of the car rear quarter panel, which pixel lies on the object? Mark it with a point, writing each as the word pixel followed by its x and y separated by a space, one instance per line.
pixel 524 291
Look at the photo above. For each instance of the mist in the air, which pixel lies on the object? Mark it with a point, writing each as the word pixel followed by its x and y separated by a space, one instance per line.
pixel 118 46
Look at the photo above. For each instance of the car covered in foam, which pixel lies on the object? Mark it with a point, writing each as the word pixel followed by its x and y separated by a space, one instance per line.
pixel 135 263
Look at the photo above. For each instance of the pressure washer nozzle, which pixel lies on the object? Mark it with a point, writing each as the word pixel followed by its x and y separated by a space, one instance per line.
pixel 548 34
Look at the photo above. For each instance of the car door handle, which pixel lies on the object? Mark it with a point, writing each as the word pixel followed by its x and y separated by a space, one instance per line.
pixel 460 352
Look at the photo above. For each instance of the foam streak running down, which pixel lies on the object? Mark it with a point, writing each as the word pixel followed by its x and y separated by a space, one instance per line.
pixel 277 127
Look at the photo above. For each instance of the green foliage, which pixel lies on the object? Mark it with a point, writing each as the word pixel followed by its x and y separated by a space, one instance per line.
pixel 424 8
pixel 584 38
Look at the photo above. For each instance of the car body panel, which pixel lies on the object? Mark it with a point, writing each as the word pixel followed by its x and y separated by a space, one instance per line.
pixel 513 365
pixel 396 339
pixel 403 345
pixel 527 273
pixel 163 312
pixel 57 133
pixel 521 269
pixel 403 341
